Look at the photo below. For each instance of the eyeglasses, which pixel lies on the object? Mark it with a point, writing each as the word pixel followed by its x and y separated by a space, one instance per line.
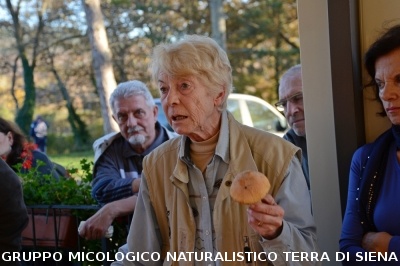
pixel 295 99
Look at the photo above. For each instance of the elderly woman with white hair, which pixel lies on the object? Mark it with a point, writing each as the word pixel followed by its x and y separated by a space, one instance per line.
pixel 184 205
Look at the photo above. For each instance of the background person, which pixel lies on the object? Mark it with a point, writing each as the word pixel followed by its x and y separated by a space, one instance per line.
pixel 23 157
pixel 15 149
pixel 38 132
pixel 13 214
pixel 372 213
pixel 119 156
pixel 184 204
pixel 291 102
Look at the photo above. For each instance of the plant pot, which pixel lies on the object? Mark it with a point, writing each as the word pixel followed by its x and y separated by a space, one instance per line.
pixel 51 228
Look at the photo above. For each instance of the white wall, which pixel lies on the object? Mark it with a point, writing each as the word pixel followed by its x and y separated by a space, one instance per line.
pixel 320 126
pixel 374 15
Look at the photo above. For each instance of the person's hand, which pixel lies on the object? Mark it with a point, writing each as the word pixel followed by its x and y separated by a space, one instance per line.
pixel 136 185
pixel 96 226
pixel 376 241
pixel 266 217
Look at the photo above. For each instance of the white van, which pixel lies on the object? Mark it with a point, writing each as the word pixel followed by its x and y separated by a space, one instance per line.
pixel 248 110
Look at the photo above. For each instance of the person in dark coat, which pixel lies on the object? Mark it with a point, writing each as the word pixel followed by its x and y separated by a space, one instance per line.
pixel 38 132
pixel 13 213
pixel 22 155
pixel 291 103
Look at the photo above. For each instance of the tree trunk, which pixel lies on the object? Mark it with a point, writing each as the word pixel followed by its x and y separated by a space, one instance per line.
pixel 218 25
pixel 102 60
pixel 25 114
pixel 78 127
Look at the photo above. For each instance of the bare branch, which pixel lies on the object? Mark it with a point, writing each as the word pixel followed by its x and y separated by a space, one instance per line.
pixel 295 46
pixel 14 77
pixel 37 36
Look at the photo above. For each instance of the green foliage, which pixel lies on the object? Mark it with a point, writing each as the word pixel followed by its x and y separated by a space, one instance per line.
pixel 261 41
pixel 71 160
pixel 65 143
pixel 45 189
pixel 60 145
pixel 263 44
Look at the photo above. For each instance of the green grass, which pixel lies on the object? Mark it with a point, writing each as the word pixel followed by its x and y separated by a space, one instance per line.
pixel 72 160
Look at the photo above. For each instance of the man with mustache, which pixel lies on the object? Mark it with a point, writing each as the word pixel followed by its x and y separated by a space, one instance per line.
pixel 291 103
pixel 119 155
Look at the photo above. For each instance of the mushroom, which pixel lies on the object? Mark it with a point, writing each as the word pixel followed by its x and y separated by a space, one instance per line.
pixel 249 187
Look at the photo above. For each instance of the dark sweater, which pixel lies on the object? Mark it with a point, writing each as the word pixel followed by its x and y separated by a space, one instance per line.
pixel 300 142
pixel 13 214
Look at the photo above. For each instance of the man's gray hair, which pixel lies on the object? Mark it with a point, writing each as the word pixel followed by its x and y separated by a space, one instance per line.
pixel 131 88
pixel 289 74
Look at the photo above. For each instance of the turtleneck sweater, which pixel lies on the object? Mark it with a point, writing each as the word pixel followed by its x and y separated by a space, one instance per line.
pixel 202 152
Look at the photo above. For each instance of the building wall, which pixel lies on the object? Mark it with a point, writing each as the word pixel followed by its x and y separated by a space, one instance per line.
pixel 320 125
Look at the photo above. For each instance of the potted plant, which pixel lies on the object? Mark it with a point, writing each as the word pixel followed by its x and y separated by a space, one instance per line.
pixel 54 205
pixel 57 206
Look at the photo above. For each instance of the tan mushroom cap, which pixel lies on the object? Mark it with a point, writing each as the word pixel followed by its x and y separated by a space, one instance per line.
pixel 249 187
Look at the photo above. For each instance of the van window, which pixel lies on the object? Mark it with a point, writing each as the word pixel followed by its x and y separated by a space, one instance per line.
pixel 263 118
pixel 233 107
pixel 162 117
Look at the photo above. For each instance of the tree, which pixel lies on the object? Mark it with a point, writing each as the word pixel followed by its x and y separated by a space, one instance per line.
pixel 25 114
pixel 79 129
pixel 218 25
pixel 102 60
pixel 263 43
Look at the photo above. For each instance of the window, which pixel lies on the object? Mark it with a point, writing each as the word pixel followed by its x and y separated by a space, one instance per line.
pixel 263 118
pixel 234 108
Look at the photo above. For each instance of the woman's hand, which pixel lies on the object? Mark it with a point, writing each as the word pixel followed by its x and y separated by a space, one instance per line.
pixel 376 241
pixel 266 217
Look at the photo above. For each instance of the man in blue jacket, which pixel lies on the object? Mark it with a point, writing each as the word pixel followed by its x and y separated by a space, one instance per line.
pixel 119 155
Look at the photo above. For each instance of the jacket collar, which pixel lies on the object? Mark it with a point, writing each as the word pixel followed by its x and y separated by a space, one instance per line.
pixel 101 144
pixel 232 147
pixel 240 156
